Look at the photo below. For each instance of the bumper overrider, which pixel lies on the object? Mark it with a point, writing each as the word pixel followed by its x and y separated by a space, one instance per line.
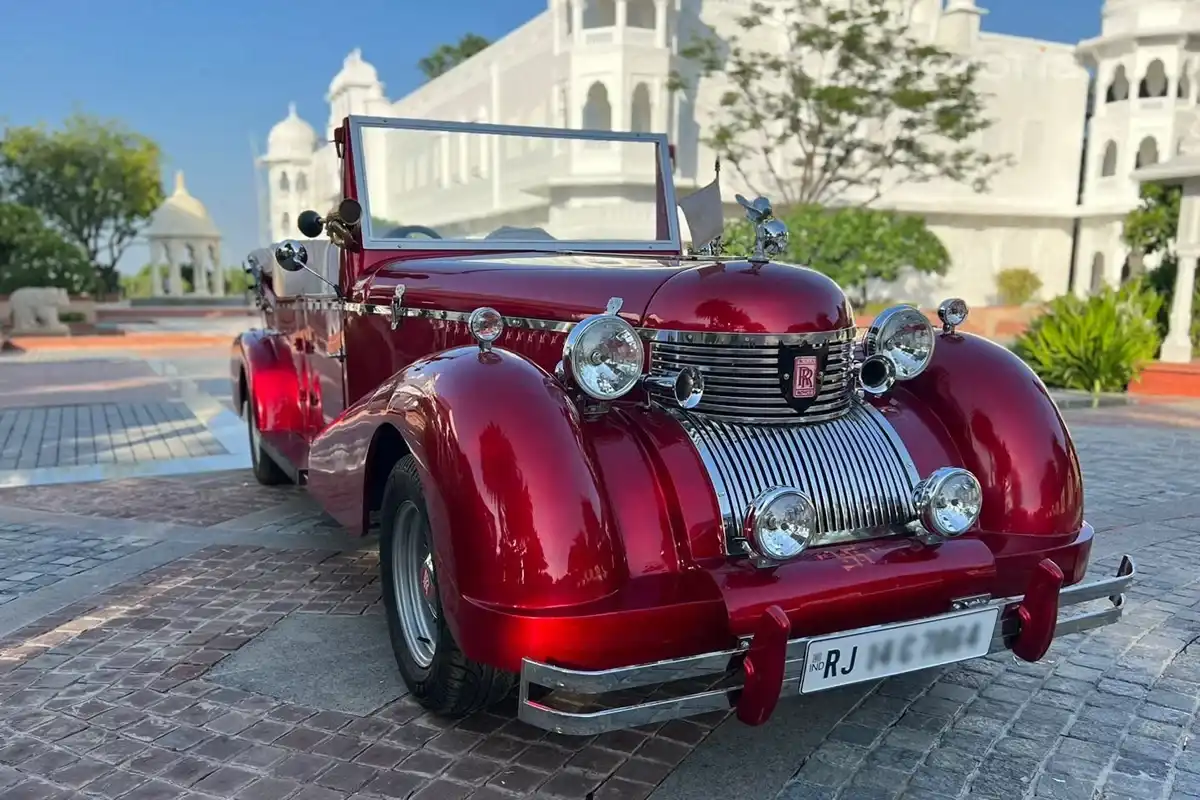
pixel 770 664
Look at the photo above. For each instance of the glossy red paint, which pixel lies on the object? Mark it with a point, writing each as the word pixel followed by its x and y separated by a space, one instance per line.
pixel 739 297
pixel 1038 612
pixel 763 667
pixel 267 363
pixel 595 543
pixel 1005 429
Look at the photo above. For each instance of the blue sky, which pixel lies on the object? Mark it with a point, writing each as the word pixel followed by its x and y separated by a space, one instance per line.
pixel 204 78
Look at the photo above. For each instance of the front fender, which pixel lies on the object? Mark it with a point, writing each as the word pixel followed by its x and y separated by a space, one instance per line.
pixel 271 379
pixel 511 484
pixel 981 400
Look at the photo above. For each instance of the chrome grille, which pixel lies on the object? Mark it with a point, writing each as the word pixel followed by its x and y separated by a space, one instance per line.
pixel 741 373
pixel 855 468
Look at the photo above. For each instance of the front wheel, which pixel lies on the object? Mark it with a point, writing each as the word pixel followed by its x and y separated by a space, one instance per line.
pixel 433 666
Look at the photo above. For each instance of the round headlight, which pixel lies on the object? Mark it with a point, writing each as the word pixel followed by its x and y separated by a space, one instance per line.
pixel 905 335
pixel 604 356
pixel 780 524
pixel 948 501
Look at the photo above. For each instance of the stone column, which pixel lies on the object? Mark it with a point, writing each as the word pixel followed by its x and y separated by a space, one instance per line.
pixel 661 25
pixel 174 271
pixel 1177 347
pixel 622 21
pixel 577 20
pixel 218 287
pixel 158 255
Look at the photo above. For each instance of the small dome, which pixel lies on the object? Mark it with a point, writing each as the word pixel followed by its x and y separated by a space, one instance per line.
pixel 292 137
pixel 182 216
pixel 355 73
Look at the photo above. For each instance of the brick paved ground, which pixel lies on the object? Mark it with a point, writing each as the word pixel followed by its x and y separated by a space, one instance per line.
pixel 35 556
pixel 99 433
pixel 201 500
pixel 111 695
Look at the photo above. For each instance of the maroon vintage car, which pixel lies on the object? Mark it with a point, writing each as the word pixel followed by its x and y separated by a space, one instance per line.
pixel 640 483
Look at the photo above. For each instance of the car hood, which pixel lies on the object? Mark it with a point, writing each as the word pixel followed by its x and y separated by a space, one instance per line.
pixel 657 293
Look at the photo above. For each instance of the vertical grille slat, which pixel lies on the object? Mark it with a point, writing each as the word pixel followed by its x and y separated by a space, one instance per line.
pixel 855 468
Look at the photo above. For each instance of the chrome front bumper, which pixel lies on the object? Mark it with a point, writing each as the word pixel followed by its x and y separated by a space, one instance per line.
pixel 626 697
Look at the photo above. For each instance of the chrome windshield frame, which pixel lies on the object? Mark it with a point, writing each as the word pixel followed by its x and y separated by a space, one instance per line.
pixel 673 244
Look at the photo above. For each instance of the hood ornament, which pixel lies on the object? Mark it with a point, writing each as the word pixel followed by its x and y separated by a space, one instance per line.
pixel 770 234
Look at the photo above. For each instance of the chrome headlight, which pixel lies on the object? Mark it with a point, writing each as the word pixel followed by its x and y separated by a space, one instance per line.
pixel 780 524
pixel 948 501
pixel 603 356
pixel 903 334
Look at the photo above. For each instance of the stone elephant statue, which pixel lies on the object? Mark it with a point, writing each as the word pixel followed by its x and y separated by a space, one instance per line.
pixel 35 309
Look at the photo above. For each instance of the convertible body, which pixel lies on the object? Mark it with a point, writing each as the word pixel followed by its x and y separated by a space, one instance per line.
pixel 637 483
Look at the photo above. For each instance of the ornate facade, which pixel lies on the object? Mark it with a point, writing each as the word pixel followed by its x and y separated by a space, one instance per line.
pixel 606 64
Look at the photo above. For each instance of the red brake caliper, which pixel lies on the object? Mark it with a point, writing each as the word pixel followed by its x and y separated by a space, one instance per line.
pixel 763 667
pixel 1038 612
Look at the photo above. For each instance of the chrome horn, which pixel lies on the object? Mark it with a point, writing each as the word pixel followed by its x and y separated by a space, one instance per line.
pixel 684 388
pixel 877 374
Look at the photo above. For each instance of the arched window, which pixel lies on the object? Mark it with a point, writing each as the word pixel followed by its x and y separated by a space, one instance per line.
pixel 1097 273
pixel 640 114
pixel 641 14
pixel 1147 154
pixel 599 13
pixel 1154 84
pixel 1108 167
pixel 1184 90
pixel 301 183
pixel 284 184
pixel 597 111
pixel 285 222
pixel 1118 89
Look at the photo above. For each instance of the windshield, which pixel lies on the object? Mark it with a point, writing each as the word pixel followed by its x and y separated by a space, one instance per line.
pixel 438 185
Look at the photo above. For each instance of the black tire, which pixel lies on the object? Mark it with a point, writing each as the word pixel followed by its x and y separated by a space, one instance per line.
pixel 266 471
pixel 449 683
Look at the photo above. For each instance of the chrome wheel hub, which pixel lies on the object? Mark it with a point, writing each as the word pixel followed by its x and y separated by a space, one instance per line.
pixel 415 584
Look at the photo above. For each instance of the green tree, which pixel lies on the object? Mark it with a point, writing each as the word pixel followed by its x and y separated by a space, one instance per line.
pixel 448 56
pixel 140 284
pixel 32 254
pixel 1150 229
pixel 850 107
pixel 94 181
pixel 853 246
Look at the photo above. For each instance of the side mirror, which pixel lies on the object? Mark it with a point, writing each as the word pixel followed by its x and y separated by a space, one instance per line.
pixel 310 224
pixel 292 256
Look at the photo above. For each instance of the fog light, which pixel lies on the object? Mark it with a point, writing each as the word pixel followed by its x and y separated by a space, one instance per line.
pixel 948 501
pixel 780 524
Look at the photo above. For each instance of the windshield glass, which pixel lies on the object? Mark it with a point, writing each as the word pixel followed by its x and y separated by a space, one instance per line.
pixel 496 186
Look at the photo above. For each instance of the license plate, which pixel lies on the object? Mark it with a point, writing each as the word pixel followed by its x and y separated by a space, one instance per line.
pixel 838 660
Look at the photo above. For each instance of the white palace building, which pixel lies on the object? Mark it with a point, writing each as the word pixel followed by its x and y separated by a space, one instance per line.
pixel 1057 209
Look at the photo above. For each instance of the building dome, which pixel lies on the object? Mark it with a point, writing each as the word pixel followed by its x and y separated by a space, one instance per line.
pixel 355 74
pixel 291 138
pixel 181 216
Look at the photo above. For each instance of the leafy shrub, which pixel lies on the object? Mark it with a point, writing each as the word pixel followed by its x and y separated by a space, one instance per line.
pixel 1098 344
pixel 1016 286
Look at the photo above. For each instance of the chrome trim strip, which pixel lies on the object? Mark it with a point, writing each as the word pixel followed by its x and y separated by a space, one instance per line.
pixel 750 339
pixel 673 243
pixel 722 667
pixel 855 469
